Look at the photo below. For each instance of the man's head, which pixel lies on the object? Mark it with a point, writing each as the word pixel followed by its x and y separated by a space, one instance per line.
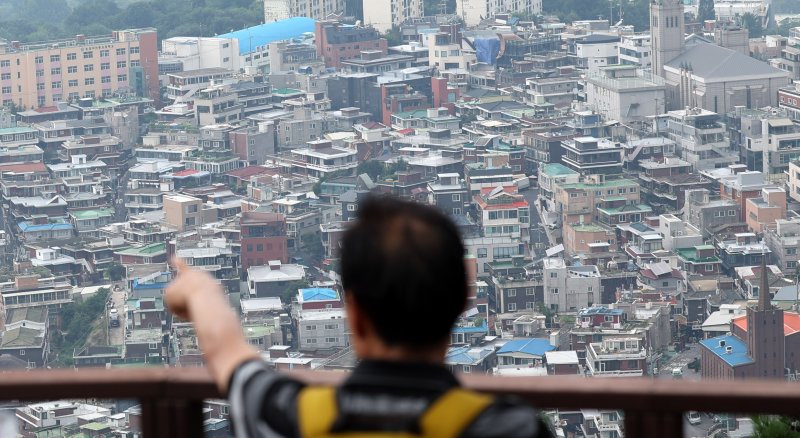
pixel 403 274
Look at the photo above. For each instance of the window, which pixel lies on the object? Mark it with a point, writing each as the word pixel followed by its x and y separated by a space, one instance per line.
pixel 482 253
pixel 88 67
pixel 311 341
pixel 40 86
pixel 512 307
pixel 72 69
pixel 331 340
pixel 88 81
pixel 260 247
pixel 39 73
pixel 6 90
pixel 456 197
pixel 55 71
pixel 56 84
pixel 609 318
pixel 5 63
pixel 152 346
pixel 664 283
pixel 791 251
pixel 554 275
pixel 120 52
pixel 467 369
pixel 512 292
pixel 331 326
pixel 39 59
pixel 351 207
pixel 632 190
pixel 72 56
pixel 709 268
pixel 5 76
pixel 224 409
pixel 226 59
pixel 554 290
pixel 311 327
pixel 72 83
pixel 457 211
pixel 134 50
pixel 104 53
pixel 22 352
pixel 122 78
pixel 88 54
pixel 122 64
pixel 105 66
pixel 731 212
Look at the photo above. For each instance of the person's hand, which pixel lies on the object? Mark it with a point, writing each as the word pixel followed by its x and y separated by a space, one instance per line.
pixel 188 283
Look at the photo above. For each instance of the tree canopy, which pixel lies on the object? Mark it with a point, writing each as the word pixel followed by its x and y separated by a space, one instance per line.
pixel 35 20
pixel 634 12
pixel 705 10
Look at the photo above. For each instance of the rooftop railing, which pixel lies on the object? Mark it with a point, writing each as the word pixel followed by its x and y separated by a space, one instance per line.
pixel 171 398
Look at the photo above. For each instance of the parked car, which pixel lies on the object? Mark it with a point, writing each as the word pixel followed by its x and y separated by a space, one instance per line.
pixel 677 373
pixel 694 418
pixel 113 318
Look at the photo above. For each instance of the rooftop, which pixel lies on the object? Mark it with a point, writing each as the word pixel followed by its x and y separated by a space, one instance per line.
pixel 532 346
pixel 730 348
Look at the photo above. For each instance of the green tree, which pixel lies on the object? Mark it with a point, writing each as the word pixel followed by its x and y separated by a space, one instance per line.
pixel 753 25
pixel 372 168
pixel 705 10
pixel 786 26
pixel 775 427
pixel 393 37
pixel 290 291
pixel 116 272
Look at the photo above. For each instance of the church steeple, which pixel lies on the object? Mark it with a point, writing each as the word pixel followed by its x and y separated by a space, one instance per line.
pixel 666 32
pixel 764 300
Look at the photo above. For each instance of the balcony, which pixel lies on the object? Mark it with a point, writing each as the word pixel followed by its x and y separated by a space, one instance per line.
pixel 171 399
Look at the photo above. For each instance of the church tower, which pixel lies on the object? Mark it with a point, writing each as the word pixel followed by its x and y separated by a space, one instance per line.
pixel 666 32
pixel 765 337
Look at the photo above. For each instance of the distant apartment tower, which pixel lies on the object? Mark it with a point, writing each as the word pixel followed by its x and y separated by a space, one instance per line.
pixel 275 10
pixel 473 11
pixel 336 42
pixel 263 238
pixel 34 75
pixel 383 14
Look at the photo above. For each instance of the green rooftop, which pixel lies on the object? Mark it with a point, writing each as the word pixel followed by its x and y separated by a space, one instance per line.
pixel 605 184
pixel 258 330
pixel 690 255
pixel 286 91
pixel 147 250
pixel 95 426
pixel 557 169
pixel 83 215
pixel 640 208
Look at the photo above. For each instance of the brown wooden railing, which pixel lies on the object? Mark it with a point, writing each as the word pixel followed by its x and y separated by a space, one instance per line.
pixel 171 398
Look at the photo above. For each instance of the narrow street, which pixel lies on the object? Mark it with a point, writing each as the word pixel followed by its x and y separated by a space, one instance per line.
pixel 117 334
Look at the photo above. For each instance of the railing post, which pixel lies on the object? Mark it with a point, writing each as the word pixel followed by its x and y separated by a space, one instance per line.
pixel 653 424
pixel 172 418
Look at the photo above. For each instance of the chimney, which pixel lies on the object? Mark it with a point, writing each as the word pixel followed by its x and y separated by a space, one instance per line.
pixel 763 294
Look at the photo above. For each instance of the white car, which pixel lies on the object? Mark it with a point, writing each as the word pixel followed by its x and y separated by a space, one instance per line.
pixel 694 418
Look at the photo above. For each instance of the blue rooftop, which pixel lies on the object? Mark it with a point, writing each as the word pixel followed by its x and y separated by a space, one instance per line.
pixel 319 294
pixel 27 227
pixel 462 356
pixel 482 329
pixel 263 34
pixel 737 356
pixel 533 346
pixel 600 311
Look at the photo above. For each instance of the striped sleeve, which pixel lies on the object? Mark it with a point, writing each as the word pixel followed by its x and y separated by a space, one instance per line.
pixel 263 403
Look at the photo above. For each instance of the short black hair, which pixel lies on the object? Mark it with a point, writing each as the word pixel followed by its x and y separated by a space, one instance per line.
pixel 403 263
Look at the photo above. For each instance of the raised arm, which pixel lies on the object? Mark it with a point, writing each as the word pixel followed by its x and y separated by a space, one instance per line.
pixel 196 296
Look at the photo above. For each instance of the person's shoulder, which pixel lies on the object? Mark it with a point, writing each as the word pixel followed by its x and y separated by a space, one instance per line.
pixel 509 417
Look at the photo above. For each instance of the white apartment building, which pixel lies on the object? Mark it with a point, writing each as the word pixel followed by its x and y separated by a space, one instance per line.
pixel 784 241
pixel 570 287
pixel 275 10
pixel 473 11
pixel 195 53
pixel 700 138
pixel 625 93
pixel 322 329
pixel 616 357
pixel 678 233
pixel 383 14
pixel 635 50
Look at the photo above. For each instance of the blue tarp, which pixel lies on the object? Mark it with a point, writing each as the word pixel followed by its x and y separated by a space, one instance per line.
pixel 264 34
pixel 486 50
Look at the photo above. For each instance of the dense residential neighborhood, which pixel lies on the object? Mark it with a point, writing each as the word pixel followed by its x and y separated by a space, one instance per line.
pixel 629 198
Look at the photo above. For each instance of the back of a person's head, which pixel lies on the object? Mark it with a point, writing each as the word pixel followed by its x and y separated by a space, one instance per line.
pixel 403 263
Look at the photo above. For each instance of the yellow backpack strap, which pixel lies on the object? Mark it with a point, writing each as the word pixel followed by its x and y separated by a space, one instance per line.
pixel 453 412
pixel 316 410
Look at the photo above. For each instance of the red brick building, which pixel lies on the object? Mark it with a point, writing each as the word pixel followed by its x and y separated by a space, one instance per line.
pixel 263 238
pixel 337 42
